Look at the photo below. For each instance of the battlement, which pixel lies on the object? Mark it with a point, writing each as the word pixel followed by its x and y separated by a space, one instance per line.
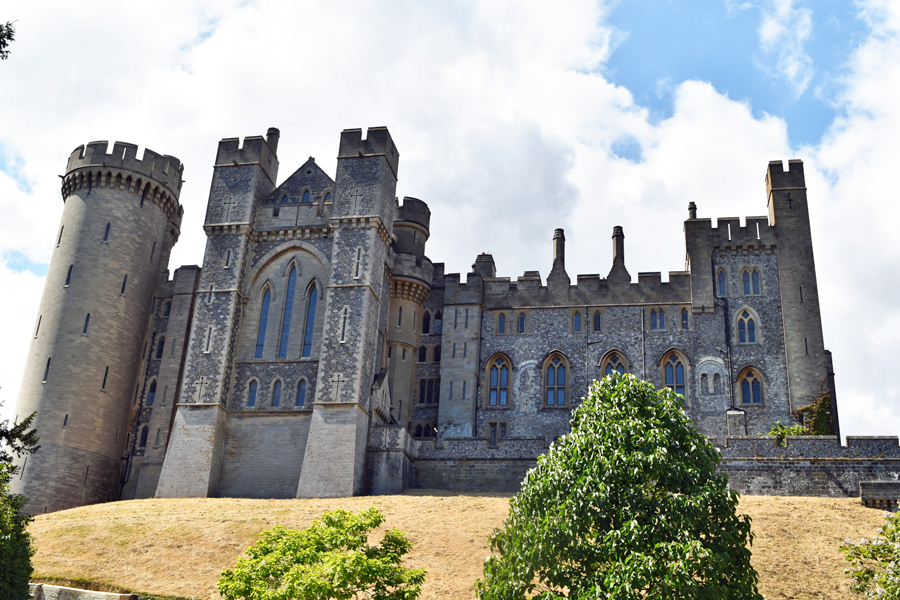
pixel 778 178
pixel 378 142
pixel 256 150
pixel 164 169
pixel 414 211
pixel 811 447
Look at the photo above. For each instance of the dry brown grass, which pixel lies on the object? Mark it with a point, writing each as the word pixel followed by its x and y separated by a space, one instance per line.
pixel 179 547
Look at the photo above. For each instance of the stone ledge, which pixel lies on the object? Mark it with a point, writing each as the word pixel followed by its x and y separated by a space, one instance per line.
pixel 42 591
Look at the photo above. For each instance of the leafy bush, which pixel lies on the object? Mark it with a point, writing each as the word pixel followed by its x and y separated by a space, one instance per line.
pixel 330 560
pixel 16 549
pixel 816 417
pixel 627 505
pixel 876 563
pixel 780 432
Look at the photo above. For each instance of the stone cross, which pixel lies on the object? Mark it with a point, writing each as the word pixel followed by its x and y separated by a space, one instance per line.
pixel 356 196
pixel 336 382
pixel 200 385
pixel 228 204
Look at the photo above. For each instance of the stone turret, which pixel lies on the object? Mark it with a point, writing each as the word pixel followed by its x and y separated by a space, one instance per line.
pixel 120 221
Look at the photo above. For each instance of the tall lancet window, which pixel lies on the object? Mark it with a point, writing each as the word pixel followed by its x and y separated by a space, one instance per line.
pixel 288 309
pixel 263 317
pixel 310 321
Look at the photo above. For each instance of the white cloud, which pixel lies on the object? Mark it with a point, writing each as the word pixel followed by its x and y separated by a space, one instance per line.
pixel 783 32
pixel 505 127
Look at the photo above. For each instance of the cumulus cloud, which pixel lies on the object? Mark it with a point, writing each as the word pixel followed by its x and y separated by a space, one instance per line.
pixel 504 123
pixel 783 32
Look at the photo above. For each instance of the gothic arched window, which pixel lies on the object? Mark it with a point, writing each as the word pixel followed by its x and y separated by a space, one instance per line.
pixel 310 321
pixel 306 196
pixel 288 309
pixel 684 318
pixel 597 319
pixel 521 322
pixel 746 328
pixel 751 387
pixel 673 370
pixel 263 318
pixel 167 309
pixel 301 393
pixel 151 393
pixel 438 321
pixel 722 290
pixel 160 347
pixel 276 393
pixel 423 352
pixel 426 322
pixel 555 368
pixel 498 377
pixel 251 394
pixel 750 279
pixel 614 364
pixel 576 322
pixel 501 323
pixel 658 319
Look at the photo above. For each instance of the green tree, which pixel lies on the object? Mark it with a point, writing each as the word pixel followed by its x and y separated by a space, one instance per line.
pixel 330 560
pixel 17 440
pixel 7 34
pixel 627 505
pixel 16 549
pixel 876 563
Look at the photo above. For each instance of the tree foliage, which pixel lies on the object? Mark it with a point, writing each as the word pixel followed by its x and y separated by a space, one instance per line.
pixel 876 563
pixel 16 549
pixel 780 432
pixel 627 505
pixel 7 35
pixel 330 560
pixel 17 439
pixel 816 417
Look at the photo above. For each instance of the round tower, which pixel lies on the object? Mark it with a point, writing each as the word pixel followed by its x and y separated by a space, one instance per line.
pixel 410 287
pixel 120 221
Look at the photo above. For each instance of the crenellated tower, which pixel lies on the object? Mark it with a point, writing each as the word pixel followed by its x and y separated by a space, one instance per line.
pixel 120 221
pixel 355 311
pixel 243 175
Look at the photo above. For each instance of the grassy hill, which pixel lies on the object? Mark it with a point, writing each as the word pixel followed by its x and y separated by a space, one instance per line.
pixel 178 548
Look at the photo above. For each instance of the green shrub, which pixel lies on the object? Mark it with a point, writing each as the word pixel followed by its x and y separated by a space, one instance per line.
pixel 780 432
pixel 16 549
pixel 627 505
pixel 330 560
pixel 876 563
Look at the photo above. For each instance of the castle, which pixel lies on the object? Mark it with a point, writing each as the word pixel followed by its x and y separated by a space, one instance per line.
pixel 319 352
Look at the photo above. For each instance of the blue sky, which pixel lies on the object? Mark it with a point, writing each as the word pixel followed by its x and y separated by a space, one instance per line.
pixel 512 117
pixel 662 43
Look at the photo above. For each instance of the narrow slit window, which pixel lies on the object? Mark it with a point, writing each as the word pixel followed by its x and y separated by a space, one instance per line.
pixel 59 239
pixel 251 394
pixel 90 184
pixel 501 324
pixel 723 287
pixel 684 318
pixel 209 333
pixel 455 318
pixel 165 395
pixel 288 312
pixel 422 354
pixel 426 322
pixel 344 324
pixel 301 393
pixel 438 322
pixel 167 309
pixel 144 432
pixel 160 347
pixel 261 331
pixel 106 233
pixel 576 322
pixel 228 258
pixel 597 322
pixel 210 297
pixel 105 376
pixel 144 193
pixel 466 323
pixel 46 371
pixel 172 352
pixel 152 251
pixel 65 421
pixel 522 323
pixel 310 322
pixel 754 276
pixel 653 320
pixel 87 321
pixel 276 394
pixel 399 316
pixel 38 327
pixel 745 279
pixel 151 393
pixel 358 262
pixel 124 283
pixel 158 432
pixel 137 388
pixel 437 354
pixel 69 275
pixel 180 306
